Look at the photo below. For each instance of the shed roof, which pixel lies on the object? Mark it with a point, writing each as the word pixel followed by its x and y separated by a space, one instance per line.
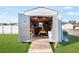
pixel 40 11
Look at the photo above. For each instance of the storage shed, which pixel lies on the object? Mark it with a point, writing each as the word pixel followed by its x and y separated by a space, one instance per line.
pixel 36 21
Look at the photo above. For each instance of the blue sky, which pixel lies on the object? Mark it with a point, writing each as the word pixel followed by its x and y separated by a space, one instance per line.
pixel 10 13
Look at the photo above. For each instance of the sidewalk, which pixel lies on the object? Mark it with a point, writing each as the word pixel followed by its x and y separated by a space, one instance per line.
pixel 39 46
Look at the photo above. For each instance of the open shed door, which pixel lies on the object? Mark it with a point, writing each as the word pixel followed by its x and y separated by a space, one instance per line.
pixel 60 32
pixel 24 28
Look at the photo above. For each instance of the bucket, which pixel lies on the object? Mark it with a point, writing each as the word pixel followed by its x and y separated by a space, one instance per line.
pixel 50 34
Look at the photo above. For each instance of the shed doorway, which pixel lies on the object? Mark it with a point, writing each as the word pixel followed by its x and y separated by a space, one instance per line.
pixel 40 25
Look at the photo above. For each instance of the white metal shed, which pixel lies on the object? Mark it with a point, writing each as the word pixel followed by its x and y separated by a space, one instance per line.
pixel 24 23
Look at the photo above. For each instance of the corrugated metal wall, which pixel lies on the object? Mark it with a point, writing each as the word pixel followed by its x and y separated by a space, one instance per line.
pixel 24 27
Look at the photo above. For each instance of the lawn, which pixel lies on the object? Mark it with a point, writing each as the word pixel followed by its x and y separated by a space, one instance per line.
pixel 71 47
pixel 9 44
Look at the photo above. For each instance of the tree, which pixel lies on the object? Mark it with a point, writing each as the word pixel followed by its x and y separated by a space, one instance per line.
pixel 72 21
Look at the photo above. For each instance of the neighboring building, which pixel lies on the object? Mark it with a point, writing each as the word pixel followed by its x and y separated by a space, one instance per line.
pixel 67 26
pixel 76 26
pixel 70 26
pixel 28 19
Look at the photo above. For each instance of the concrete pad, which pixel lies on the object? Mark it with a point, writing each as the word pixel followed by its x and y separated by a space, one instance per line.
pixel 39 46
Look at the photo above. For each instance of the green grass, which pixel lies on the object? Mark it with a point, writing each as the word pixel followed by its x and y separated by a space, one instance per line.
pixel 71 47
pixel 9 44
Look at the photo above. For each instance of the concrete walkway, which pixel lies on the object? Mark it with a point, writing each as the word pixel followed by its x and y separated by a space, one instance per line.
pixel 40 46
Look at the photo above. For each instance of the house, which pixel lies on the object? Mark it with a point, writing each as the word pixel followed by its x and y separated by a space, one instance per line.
pixel 67 26
pixel 76 26
pixel 39 20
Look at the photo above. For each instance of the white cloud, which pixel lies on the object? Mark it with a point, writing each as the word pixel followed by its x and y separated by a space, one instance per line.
pixel 73 13
pixel 7 17
pixel 68 7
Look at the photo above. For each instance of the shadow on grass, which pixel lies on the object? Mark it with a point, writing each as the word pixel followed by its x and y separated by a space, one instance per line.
pixel 52 46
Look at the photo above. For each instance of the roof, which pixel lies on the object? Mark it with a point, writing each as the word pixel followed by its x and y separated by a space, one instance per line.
pixel 40 11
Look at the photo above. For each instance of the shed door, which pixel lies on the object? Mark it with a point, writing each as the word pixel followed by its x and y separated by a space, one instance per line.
pixel 24 28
